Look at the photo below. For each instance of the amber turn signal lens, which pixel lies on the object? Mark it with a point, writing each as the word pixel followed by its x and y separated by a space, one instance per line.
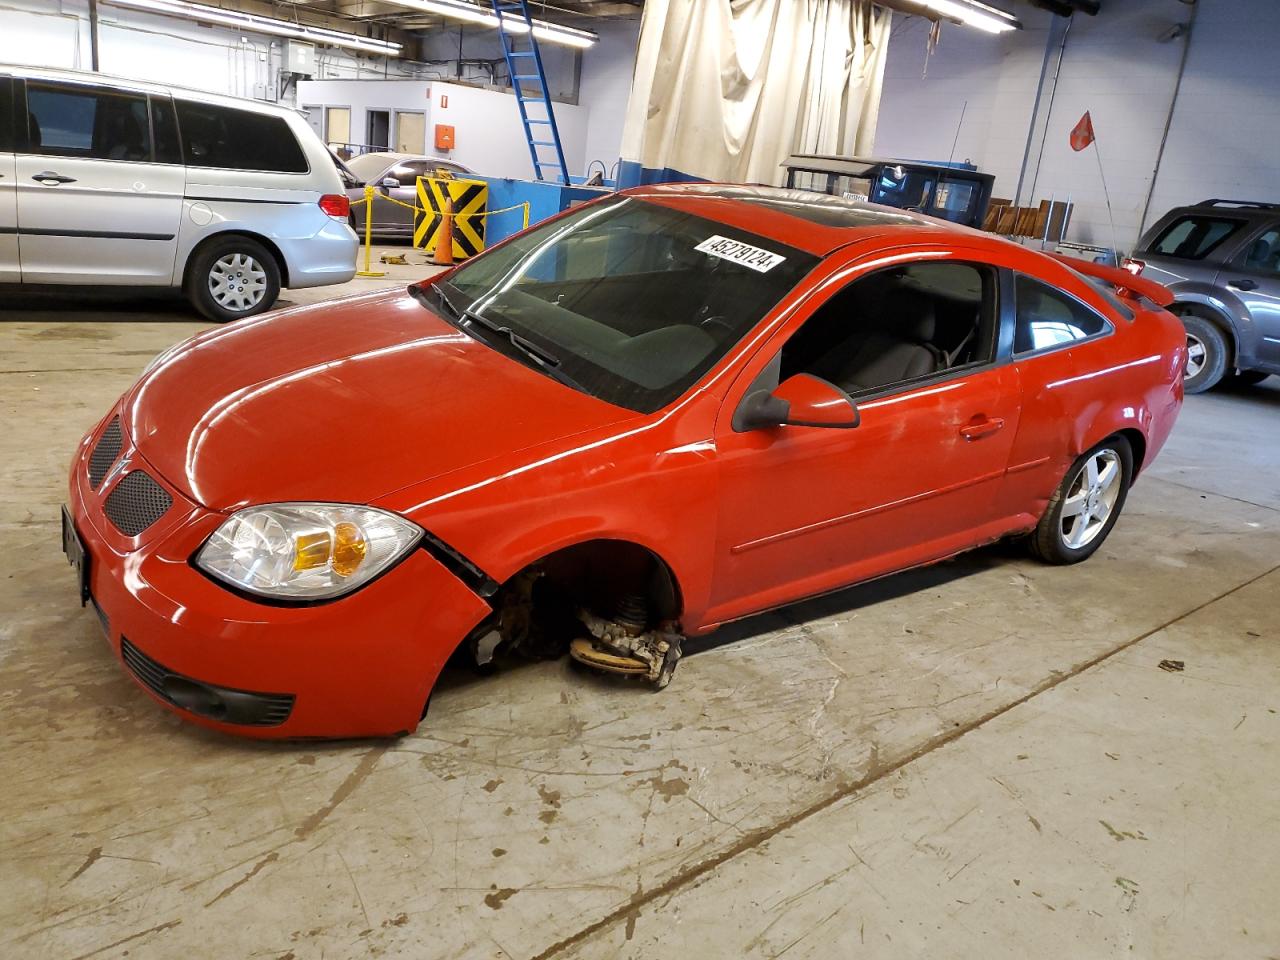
pixel 349 548
pixel 311 551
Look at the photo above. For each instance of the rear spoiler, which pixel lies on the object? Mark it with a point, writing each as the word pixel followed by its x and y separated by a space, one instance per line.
pixel 1126 284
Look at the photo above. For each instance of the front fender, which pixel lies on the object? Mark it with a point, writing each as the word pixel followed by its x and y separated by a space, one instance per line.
pixel 651 484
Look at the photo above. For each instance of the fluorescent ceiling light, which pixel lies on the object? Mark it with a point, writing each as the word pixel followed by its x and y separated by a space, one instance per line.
pixel 259 24
pixel 462 10
pixel 974 14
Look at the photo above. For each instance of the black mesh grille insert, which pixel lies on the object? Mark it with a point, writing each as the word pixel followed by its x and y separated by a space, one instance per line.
pixel 136 503
pixel 105 453
pixel 220 703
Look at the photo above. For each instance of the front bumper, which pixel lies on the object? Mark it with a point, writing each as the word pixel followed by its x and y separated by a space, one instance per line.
pixel 359 666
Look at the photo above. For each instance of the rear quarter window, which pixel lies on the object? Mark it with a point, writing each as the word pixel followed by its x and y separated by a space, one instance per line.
pixel 1047 318
pixel 1194 237
pixel 231 139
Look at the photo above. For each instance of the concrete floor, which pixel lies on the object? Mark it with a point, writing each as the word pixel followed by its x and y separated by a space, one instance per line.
pixel 981 759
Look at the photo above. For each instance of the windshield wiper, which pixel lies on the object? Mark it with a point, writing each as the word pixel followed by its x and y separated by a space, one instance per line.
pixel 544 359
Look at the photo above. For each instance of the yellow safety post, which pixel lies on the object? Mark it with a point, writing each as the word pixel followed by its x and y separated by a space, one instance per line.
pixel 368 236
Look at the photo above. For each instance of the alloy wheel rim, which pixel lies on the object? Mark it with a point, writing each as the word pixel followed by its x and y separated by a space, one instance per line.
pixel 1196 356
pixel 1091 499
pixel 237 282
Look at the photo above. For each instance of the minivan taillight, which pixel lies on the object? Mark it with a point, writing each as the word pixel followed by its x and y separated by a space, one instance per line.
pixel 1133 266
pixel 336 205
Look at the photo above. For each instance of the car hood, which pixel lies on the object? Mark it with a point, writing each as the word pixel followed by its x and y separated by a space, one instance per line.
pixel 345 402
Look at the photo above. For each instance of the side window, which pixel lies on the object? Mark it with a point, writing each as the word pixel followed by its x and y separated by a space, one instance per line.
pixel 66 120
pixel 164 128
pixel 1194 237
pixel 898 325
pixel 1263 255
pixel 408 172
pixel 6 115
pixel 224 137
pixel 1048 318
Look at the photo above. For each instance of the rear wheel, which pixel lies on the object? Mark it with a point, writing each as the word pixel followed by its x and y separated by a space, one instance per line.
pixel 1206 354
pixel 231 278
pixel 1086 504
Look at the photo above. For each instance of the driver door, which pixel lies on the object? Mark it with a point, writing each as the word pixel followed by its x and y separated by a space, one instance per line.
pixel 804 510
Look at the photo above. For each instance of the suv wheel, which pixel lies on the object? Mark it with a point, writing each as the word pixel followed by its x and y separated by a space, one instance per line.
pixel 232 278
pixel 1206 354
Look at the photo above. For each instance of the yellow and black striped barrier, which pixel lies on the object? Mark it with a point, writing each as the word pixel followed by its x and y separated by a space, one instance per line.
pixel 427 220
pixel 469 200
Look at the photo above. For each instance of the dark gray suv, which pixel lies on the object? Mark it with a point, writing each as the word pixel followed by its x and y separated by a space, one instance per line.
pixel 1221 260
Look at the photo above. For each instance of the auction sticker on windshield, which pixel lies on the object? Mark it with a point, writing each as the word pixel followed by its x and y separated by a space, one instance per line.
pixel 743 253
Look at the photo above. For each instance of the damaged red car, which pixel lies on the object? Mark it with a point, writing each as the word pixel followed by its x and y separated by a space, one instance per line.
pixel 670 408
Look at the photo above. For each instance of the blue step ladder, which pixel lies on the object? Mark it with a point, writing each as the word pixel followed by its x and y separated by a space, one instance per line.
pixel 525 66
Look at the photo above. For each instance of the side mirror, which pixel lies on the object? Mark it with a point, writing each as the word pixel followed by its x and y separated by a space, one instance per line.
pixel 800 401
pixel 389 183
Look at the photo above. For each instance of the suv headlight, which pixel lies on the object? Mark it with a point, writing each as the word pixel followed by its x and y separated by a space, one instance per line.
pixel 306 551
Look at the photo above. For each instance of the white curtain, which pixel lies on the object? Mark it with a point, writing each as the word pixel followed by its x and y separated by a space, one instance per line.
pixel 728 89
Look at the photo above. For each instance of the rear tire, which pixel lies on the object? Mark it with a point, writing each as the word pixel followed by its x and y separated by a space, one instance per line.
pixel 1086 504
pixel 1206 354
pixel 231 278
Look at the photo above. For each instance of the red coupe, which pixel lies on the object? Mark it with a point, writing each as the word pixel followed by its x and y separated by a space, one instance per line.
pixel 658 412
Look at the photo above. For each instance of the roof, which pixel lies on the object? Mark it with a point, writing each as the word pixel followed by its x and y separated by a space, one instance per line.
pixel 815 222
pixel 142 86
pixel 857 166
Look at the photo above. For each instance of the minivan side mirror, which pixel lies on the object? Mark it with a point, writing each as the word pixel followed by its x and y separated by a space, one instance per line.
pixel 802 400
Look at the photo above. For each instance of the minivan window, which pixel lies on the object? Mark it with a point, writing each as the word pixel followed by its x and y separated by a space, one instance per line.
pixel 1047 318
pixel 66 120
pixel 1194 237
pixel 6 115
pixel 164 128
pixel 231 139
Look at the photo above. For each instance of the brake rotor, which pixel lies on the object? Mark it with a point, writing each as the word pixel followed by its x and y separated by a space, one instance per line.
pixel 586 651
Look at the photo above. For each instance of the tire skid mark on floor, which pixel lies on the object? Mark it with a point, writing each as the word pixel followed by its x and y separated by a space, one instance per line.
pixel 875 772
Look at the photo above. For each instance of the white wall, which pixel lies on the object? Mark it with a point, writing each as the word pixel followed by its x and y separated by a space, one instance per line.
pixel 1225 138
pixel 1226 130
pixel 488 132
pixel 607 69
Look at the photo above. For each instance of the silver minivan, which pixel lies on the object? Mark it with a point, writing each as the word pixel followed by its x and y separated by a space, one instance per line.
pixel 114 182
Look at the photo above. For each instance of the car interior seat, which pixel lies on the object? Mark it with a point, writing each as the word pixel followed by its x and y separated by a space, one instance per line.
pixel 899 348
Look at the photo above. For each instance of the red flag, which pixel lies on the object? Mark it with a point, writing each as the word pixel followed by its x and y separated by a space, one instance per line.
pixel 1082 133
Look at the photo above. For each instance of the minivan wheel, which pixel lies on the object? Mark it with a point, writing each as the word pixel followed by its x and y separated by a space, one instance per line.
pixel 232 278
pixel 1086 504
pixel 1206 354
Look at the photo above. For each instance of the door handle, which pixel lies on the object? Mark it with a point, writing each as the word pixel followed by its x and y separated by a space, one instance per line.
pixel 51 179
pixel 977 429
pixel 1242 284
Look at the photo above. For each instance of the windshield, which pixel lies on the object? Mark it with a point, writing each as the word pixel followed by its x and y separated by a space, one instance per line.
pixel 626 300
pixel 368 165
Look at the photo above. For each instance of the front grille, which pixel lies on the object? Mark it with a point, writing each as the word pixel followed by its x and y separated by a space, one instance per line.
pixel 105 453
pixel 136 503
pixel 219 703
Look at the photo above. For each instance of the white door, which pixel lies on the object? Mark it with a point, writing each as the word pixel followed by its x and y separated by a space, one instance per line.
pixel 411 132
pixel 93 205
pixel 9 271
pixel 337 127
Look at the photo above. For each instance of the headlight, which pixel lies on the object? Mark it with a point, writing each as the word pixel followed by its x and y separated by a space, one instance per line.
pixel 306 551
